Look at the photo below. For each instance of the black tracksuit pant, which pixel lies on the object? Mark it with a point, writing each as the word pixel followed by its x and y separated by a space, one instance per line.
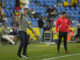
pixel 64 36
pixel 23 44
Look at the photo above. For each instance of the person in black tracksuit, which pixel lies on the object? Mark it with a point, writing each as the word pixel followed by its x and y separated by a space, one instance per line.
pixel 40 25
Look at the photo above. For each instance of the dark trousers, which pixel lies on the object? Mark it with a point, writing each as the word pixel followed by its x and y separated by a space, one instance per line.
pixel 23 44
pixel 64 36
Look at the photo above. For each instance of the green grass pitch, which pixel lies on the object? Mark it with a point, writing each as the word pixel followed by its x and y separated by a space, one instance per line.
pixel 37 51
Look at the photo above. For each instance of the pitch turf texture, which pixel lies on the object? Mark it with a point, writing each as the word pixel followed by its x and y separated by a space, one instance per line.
pixel 37 51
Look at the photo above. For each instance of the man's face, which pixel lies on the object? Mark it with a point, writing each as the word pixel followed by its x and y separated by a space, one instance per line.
pixel 70 15
pixel 5 25
pixel 64 15
pixel 45 18
pixel 29 9
pixel 25 12
pixel 14 28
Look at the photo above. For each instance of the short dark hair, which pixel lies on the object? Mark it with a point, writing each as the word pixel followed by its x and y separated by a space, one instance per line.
pixel 63 12
pixel 4 23
pixel 25 8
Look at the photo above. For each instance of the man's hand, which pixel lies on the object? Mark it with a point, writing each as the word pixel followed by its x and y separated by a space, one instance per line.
pixel 69 26
pixel 35 33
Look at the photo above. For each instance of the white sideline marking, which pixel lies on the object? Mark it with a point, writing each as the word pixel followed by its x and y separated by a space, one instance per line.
pixel 62 56
pixel 44 55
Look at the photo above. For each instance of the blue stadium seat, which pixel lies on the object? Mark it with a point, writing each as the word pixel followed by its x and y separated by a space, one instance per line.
pixel 67 8
pixel 11 10
pixel 8 6
pixel 73 24
pixel 7 3
pixel 75 12
pixel 42 3
pixel 72 9
pixel 69 1
pixel 37 19
pixel 29 19
pixel 33 0
pixel 63 9
pixel 38 0
pixel 59 11
pixel 9 19
pixel 76 19
pixel 9 22
pixel 48 4
pixel 78 8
